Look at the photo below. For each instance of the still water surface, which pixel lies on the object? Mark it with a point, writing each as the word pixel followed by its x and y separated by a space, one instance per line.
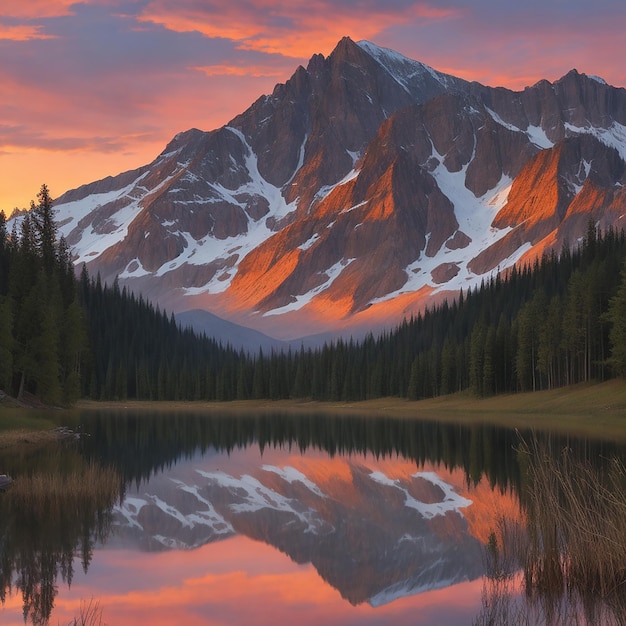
pixel 272 520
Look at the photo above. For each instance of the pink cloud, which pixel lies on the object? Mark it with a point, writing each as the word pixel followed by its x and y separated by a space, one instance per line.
pixel 22 33
pixel 291 29
pixel 104 85
pixel 34 9
pixel 498 45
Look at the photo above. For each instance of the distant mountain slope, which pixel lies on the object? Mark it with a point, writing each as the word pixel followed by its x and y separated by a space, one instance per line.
pixel 238 337
pixel 365 186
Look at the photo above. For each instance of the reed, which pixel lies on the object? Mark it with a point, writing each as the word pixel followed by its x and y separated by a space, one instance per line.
pixel 48 518
pixel 52 495
pixel 571 551
pixel 90 614
pixel 577 524
pixel 29 438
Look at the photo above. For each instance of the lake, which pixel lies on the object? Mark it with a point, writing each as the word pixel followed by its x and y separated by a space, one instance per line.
pixel 278 519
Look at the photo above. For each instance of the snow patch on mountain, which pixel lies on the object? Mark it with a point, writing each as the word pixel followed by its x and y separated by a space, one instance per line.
pixel 474 216
pixel 409 588
pixel 252 496
pixel 93 241
pixel 451 500
pixel 258 184
pixel 134 269
pixel 170 510
pixel 614 136
pixel 129 510
pixel 207 516
pixel 292 475
pixel 598 79
pixel 402 69
pixel 300 159
pixel 324 190
pixel 500 121
pixel 537 136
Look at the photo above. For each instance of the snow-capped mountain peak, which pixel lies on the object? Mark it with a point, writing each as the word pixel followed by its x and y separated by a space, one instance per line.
pixel 407 72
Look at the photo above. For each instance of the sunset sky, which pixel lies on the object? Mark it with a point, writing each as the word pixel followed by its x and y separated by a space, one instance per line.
pixel 94 88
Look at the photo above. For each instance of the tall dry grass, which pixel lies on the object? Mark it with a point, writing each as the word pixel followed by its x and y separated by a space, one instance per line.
pixel 22 437
pixel 570 558
pixel 576 523
pixel 47 519
pixel 87 488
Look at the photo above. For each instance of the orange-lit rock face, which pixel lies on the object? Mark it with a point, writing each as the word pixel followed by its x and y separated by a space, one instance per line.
pixel 553 199
pixel 534 196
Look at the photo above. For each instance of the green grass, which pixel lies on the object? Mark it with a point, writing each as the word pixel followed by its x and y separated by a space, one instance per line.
pixel 32 420
pixel 590 409
pixel 593 409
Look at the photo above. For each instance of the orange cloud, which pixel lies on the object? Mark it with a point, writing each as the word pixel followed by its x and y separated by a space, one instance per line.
pixel 290 29
pixel 34 9
pixel 22 33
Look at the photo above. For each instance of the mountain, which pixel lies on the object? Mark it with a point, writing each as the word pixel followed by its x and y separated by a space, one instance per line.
pixel 372 533
pixel 238 337
pixel 364 187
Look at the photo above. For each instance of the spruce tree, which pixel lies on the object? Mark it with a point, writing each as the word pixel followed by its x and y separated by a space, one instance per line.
pixel 617 335
pixel 45 227
pixel 6 344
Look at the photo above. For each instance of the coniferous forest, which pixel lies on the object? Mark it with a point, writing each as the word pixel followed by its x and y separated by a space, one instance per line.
pixel 556 322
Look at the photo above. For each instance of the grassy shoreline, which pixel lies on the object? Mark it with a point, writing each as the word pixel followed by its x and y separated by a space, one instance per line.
pixel 593 409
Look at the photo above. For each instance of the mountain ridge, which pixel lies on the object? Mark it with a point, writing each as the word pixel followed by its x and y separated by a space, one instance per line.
pixel 365 187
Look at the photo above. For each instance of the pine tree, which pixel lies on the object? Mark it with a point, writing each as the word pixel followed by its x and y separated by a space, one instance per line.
pixel 45 227
pixel 6 344
pixel 477 358
pixel 616 315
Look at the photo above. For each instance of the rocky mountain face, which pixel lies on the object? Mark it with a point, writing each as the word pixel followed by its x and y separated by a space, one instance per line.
pixel 365 186
pixel 374 534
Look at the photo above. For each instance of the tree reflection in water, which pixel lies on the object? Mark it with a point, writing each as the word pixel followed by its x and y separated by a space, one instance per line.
pixel 568 564
pixel 58 506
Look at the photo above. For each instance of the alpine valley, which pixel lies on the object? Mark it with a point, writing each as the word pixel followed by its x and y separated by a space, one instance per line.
pixel 364 188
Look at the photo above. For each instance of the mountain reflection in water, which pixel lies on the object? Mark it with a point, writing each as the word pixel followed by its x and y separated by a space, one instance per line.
pixel 375 531
pixel 279 518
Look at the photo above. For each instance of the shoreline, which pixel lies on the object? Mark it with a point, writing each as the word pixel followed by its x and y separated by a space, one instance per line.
pixel 591 409
pixel 596 410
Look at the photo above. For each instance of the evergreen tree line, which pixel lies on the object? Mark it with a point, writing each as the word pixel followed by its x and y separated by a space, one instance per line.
pixel 138 352
pixel 559 321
